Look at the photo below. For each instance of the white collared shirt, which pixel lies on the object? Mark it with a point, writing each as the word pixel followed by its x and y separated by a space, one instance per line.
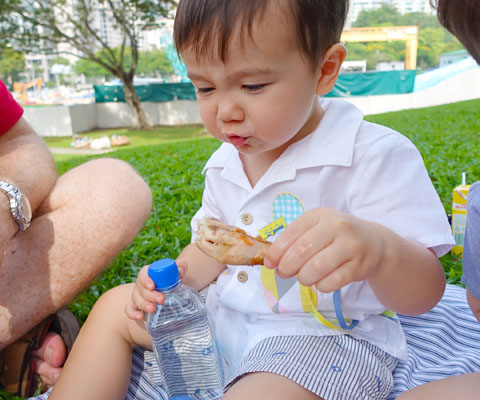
pixel 348 164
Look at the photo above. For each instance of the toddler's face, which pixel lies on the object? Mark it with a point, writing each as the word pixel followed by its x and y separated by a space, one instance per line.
pixel 263 97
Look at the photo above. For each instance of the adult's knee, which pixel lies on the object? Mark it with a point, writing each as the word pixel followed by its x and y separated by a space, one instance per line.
pixel 123 177
pixel 119 190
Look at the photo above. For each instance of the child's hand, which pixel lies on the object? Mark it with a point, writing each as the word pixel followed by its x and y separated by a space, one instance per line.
pixel 328 249
pixel 144 295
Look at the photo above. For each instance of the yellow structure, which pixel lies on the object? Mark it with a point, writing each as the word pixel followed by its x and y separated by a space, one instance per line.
pixel 20 88
pixel 386 34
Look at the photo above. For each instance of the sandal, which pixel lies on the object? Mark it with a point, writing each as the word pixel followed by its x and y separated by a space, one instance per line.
pixel 16 365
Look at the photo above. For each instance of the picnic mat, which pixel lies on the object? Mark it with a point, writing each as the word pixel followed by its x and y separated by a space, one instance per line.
pixel 441 343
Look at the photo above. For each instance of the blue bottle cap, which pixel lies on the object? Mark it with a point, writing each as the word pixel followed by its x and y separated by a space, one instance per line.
pixel 164 273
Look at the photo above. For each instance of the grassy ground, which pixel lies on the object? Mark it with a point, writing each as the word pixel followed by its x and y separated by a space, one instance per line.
pixel 138 138
pixel 447 136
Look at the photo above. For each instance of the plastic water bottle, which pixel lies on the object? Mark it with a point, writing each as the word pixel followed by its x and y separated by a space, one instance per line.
pixel 181 338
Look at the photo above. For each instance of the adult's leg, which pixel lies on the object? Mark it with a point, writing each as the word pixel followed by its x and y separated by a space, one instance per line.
pixel 101 359
pixel 268 386
pixel 460 387
pixel 91 214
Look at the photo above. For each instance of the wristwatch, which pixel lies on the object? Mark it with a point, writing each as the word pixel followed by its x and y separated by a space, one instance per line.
pixel 19 205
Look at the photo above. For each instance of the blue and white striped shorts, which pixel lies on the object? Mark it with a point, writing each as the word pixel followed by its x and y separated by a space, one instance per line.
pixel 333 367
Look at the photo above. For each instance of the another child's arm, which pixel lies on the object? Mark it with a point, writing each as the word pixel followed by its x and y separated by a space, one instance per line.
pixel 196 268
pixel 330 249
pixel 474 304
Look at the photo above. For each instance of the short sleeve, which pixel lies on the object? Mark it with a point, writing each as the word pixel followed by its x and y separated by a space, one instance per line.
pixel 471 245
pixel 391 186
pixel 209 207
pixel 10 110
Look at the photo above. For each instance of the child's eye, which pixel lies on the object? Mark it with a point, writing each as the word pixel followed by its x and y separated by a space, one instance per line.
pixel 204 90
pixel 254 88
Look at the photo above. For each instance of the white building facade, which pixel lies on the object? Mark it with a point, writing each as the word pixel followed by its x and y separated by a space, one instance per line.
pixel 403 6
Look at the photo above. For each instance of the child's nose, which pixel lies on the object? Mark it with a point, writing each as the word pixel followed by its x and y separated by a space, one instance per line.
pixel 229 110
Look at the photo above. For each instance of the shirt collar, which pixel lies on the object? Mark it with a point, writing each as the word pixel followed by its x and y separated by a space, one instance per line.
pixel 331 143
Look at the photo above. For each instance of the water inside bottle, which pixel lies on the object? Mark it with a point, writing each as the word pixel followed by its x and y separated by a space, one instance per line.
pixel 185 349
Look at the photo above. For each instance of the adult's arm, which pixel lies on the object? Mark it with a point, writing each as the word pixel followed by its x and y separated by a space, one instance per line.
pixel 25 162
pixel 471 250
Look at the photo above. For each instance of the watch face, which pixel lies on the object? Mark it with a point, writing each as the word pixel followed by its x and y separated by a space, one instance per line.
pixel 19 205
pixel 24 212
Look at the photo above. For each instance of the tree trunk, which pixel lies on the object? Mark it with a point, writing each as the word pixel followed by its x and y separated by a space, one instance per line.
pixel 139 117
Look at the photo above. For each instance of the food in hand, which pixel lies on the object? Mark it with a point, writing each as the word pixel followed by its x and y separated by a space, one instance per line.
pixel 230 244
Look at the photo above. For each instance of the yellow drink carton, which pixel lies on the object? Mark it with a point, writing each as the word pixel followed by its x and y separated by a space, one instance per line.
pixel 459 215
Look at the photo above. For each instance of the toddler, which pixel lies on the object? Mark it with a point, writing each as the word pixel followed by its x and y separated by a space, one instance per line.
pixel 356 225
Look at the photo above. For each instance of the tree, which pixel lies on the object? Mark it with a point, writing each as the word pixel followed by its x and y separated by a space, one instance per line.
pixel 48 26
pixel 93 69
pixel 386 15
pixel 150 63
pixel 154 63
pixel 430 45
pixel 12 64
pixel 59 61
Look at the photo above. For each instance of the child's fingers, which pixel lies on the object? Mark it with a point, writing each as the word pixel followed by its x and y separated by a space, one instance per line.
pixel 291 235
pixel 144 280
pixel 299 254
pixel 147 293
pixel 336 279
pixel 147 303
pixel 133 312
pixel 182 267
pixel 322 265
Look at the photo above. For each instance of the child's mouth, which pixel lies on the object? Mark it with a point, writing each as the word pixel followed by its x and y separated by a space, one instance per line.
pixel 237 141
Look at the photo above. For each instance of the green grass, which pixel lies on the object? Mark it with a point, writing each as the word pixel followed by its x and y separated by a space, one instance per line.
pixel 154 136
pixel 447 136
pixel 151 137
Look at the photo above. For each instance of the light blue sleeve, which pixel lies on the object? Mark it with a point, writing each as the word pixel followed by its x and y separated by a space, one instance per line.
pixel 471 246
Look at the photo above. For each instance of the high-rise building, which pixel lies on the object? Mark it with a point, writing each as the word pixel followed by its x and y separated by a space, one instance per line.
pixel 357 6
pixel 403 6
pixel 409 6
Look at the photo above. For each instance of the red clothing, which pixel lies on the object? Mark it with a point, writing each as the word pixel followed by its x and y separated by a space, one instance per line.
pixel 10 110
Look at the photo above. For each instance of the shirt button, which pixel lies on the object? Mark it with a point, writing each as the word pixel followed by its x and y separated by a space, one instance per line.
pixel 247 218
pixel 242 276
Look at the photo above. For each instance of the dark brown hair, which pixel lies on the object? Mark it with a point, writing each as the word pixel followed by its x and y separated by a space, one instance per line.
pixel 462 18
pixel 204 23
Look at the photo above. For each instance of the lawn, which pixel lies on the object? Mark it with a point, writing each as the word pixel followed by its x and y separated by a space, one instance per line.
pixel 149 137
pixel 447 136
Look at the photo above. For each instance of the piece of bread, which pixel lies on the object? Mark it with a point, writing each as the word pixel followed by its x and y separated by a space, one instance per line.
pixel 230 244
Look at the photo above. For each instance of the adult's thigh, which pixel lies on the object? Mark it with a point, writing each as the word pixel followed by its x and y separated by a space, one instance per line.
pixel 460 387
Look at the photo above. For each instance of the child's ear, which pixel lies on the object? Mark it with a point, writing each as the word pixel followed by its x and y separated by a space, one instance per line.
pixel 332 61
